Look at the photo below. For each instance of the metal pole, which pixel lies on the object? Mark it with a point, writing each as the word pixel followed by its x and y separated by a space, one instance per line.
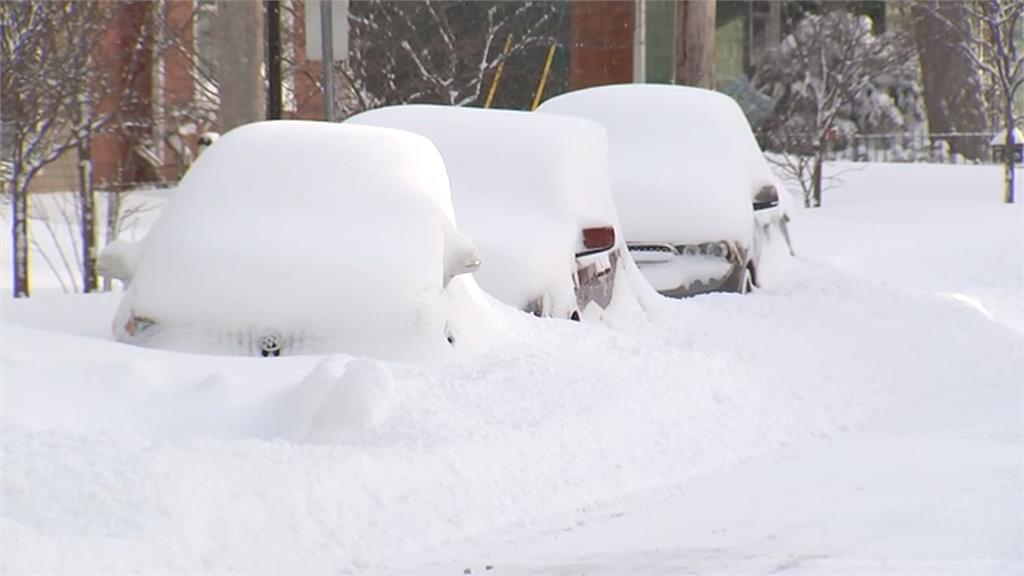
pixel 640 42
pixel 497 73
pixel 90 279
pixel 273 59
pixel 543 78
pixel 327 43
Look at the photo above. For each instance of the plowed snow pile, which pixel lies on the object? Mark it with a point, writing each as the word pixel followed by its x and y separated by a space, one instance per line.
pixel 896 325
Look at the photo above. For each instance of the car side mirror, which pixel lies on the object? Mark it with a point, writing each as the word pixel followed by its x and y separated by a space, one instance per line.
pixel 118 260
pixel 766 197
pixel 461 255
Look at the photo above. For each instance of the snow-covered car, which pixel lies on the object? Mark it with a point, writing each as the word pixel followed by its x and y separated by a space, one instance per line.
pixel 533 193
pixel 295 237
pixel 697 200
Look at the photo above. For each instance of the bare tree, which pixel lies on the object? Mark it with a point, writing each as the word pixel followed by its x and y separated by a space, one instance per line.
pixel 44 97
pixel 992 41
pixel 59 89
pixel 437 52
pixel 829 65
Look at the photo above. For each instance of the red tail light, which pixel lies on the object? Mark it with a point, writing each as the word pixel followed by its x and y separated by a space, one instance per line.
pixel 598 238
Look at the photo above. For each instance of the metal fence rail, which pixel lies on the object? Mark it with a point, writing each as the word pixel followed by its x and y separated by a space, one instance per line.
pixel 951 148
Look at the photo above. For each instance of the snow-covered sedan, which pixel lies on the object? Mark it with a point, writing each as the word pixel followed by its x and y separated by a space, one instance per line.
pixel 533 193
pixel 697 200
pixel 295 237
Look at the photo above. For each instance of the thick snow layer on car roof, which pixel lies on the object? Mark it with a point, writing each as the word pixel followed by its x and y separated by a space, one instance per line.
pixel 332 236
pixel 524 186
pixel 684 162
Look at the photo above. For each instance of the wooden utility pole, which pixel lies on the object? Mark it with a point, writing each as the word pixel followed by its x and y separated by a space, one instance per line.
pixel 239 59
pixel 327 49
pixel 695 43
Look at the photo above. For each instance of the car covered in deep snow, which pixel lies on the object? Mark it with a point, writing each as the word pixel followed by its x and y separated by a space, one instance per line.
pixel 295 237
pixel 697 200
pixel 533 193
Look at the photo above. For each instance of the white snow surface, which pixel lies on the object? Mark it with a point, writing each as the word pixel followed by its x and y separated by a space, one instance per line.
pixel 334 238
pixel 999 138
pixel 683 270
pixel 683 161
pixel 860 414
pixel 524 187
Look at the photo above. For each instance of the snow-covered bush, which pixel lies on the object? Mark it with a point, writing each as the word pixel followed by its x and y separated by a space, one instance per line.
pixel 831 78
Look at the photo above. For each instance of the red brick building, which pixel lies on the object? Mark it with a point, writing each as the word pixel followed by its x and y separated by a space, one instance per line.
pixel 602 43
pixel 167 104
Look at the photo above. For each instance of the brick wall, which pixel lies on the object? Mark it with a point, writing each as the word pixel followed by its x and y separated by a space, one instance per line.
pixel 602 43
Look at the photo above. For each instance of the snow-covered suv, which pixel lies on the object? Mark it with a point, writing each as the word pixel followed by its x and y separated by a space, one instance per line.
pixel 697 200
pixel 295 237
pixel 533 193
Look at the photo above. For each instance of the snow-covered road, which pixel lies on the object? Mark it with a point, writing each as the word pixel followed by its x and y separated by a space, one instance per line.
pixel 861 414
pixel 932 484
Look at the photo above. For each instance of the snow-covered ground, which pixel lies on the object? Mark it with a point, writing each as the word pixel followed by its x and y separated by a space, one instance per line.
pixel 861 414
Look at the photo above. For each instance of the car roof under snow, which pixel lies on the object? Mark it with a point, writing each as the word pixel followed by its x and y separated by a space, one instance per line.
pixel 683 161
pixel 508 159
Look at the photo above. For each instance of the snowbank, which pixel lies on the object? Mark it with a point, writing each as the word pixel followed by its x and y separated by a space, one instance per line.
pixel 940 230
pixel 124 458
pixel 329 238
pixel 919 184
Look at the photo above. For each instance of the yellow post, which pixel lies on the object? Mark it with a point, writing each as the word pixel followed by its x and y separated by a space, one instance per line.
pixel 543 78
pixel 497 73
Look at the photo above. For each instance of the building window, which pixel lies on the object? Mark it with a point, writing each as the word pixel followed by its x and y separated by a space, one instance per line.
pixel 205 52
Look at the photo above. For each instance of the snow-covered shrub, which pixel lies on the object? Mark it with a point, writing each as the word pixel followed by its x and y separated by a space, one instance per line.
pixel 830 78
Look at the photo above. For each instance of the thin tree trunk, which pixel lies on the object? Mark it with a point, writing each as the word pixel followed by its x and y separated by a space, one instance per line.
pixel 1009 159
pixel 695 43
pixel 1009 180
pixel 19 231
pixel 817 176
pixel 90 279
